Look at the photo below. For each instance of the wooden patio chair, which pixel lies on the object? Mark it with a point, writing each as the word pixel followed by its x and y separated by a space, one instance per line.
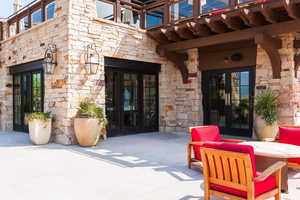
pixel 230 173
pixel 200 135
pixel 290 135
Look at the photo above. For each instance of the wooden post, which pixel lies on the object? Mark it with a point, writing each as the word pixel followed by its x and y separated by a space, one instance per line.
pixel 29 19
pixel 43 7
pixel 1 31
pixel 143 19
pixel 118 11
pixel 18 25
pixel 167 12
pixel 196 8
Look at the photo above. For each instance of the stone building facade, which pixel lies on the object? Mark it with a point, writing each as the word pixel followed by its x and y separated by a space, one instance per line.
pixel 76 25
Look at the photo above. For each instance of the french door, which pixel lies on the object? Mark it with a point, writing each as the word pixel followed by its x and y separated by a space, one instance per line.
pixel 28 97
pixel 228 100
pixel 131 102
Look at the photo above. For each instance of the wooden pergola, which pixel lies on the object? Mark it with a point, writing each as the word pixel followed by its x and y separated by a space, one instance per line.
pixel 258 22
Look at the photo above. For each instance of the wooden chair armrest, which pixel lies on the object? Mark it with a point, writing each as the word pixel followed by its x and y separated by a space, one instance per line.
pixel 195 143
pixel 270 170
pixel 233 140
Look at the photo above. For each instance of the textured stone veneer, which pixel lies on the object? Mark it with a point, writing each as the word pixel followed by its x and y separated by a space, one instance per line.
pixel 76 26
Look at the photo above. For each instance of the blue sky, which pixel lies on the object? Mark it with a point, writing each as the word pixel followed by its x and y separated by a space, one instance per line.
pixel 6 6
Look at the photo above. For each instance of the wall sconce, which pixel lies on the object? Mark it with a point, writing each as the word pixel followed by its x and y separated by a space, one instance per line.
pixel 92 59
pixel 50 60
pixel 234 57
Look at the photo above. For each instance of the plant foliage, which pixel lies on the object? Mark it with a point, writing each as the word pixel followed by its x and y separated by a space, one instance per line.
pixel 88 108
pixel 39 115
pixel 266 106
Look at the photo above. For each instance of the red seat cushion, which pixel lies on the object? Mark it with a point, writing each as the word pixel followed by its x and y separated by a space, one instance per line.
pixel 220 11
pixel 289 135
pixel 204 134
pixel 259 187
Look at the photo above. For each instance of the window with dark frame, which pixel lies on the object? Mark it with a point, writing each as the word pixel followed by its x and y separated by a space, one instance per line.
pixel 24 24
pixel 36 17
pixel 50 10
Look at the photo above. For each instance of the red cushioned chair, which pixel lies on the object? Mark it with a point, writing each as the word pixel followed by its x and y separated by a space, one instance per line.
pixel 290 135
pixel 230 173
pixel 200 135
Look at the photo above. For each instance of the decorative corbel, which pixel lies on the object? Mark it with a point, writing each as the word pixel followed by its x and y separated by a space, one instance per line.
pixel 271 46
pixel 179 61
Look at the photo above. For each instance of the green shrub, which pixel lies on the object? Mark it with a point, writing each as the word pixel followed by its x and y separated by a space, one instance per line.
pixel 266 106
pixel 39 115
pixel 88 108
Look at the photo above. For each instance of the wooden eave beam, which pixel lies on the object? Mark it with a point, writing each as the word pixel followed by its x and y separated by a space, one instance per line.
pixel 292 9
pixel 246 34
pixel 183 31
pixel 170 34
pixel 178 60
pixel 271 46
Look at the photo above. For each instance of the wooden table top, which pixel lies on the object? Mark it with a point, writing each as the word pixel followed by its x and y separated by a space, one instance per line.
pixel 275 149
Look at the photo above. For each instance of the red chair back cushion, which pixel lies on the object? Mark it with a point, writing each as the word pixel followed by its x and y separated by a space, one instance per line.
pixel 289 135
pixel 239 148
pixel 204 134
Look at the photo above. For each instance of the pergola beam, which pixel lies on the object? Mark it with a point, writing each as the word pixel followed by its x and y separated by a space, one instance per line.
pixel 246 34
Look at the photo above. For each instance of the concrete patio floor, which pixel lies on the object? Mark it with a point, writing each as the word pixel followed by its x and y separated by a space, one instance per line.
pixel 137 167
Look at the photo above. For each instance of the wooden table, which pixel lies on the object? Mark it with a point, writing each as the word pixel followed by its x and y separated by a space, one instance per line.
pixel 268 153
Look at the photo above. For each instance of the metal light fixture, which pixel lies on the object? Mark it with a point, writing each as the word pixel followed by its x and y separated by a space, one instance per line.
pixel 50 60
pixel 92 59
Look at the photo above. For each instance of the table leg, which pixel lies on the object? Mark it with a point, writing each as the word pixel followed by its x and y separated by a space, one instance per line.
pixel 263 162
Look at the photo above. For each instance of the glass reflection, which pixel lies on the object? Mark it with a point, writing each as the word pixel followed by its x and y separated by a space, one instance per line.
pixel 210 5
pixel 181 9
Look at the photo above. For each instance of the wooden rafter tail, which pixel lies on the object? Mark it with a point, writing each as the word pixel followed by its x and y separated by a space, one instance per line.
pixel 297 64
pixel 251 18
pixel 215 25
pixel 170 34
pixel 271 46
pixel 232 22
pixel 292 9
pixel 158 36
pixel 270 15
pixel 183 32
pixel 198 29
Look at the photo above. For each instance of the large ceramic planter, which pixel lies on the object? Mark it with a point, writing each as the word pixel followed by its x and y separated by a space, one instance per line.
pixel 40 131
pixel 263 131
pixel 87 131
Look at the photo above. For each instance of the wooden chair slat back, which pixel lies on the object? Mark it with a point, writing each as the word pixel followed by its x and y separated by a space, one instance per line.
pixel 227 168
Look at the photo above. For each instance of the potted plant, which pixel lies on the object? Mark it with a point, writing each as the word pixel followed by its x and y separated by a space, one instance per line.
pixel 265 125
pixel 89 123
pixel 40 125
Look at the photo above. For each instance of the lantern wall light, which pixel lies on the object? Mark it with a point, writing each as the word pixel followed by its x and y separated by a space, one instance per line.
pixel 92 59
pixel 50 59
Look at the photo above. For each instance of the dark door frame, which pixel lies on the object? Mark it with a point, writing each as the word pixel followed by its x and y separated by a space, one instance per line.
pixel 205 92
pixel 27 69
pixel 121 66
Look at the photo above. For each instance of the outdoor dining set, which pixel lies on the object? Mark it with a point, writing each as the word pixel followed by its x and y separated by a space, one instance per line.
pixel 240 169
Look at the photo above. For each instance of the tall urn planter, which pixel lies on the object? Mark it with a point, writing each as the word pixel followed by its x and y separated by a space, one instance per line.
pixel 265 121
pixel 40 125
pixel 89 124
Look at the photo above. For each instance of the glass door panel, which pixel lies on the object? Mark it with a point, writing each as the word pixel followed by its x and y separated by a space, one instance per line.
pixel 150 102
pixel 130 100
pixel 27 96
pixel 217 99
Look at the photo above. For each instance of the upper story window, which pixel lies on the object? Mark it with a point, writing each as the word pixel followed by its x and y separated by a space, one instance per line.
pixel 154 17
pixel 24 24
pixel 130 17
pixel 105 10
pixel 36 17
pixel 50 10
pixel 12 29
pixel 182 9
pixel 210 5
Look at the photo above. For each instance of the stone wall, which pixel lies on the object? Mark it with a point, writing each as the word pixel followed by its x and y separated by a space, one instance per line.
pixel 30 46
pixel 74 27
pixel 287 86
